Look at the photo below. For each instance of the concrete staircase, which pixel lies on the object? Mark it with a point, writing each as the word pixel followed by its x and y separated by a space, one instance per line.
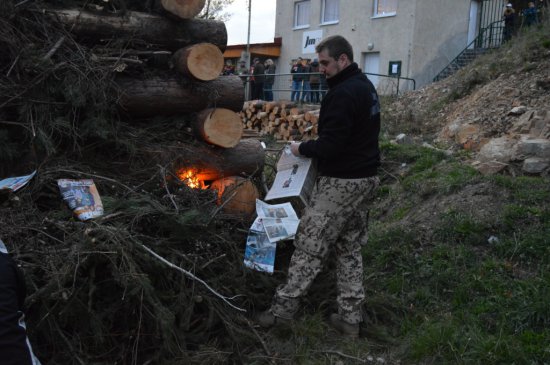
pixel 465 58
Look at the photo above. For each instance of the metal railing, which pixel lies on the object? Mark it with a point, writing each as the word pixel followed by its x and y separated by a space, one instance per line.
pixel 488 37
pixel 283 88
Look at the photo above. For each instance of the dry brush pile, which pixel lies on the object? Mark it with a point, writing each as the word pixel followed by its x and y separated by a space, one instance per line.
pixel 159 277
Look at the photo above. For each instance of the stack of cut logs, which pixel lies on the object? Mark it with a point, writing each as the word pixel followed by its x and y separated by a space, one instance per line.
pixel 187 82
pixel 283 120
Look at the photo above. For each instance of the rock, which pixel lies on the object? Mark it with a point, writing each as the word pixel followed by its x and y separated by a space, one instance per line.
pixel 468 136
pixel 533 148
pixel 518 110
pixel 497 149
pixel 489 167
pixel 535 165
pixel 403 139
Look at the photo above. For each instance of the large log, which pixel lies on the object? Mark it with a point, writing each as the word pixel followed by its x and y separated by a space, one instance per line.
pixel 218 126
pixel 203 61
pixel 209 163
pixel 185 9
pixel 170 95
pixel 155 30
pixel 237 194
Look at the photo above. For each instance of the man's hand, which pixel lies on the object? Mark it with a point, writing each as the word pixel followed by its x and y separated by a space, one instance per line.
pixel 294 148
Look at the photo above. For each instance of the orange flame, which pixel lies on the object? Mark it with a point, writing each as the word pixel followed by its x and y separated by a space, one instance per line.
pixel 190 178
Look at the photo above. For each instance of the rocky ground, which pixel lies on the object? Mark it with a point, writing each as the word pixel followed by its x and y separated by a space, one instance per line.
pixel 497 108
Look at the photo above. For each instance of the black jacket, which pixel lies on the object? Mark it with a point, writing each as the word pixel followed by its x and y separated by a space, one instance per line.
pixel 13 337
pixel 349 125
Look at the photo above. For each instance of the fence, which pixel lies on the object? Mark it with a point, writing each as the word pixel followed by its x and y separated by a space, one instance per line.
pixel 284 88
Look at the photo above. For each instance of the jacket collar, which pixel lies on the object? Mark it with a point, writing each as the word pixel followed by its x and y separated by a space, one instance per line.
pixel 345 74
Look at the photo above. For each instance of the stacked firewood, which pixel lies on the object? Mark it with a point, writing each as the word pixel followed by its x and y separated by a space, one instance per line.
pixel 185 82
pixel 284 120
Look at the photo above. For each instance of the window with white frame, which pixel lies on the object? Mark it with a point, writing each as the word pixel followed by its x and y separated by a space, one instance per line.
pixel 385 7
pixel 301 14
pixel 330 11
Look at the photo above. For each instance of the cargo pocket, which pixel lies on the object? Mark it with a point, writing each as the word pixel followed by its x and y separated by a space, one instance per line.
pixel 357 229
pixel 314 235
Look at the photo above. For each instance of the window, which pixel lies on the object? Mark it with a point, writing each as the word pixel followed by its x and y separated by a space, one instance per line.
pixel 301 14
pixel 385 7
pixel 330 11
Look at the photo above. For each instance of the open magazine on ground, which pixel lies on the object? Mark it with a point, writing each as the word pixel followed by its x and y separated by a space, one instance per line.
pixel 16 183
pixel 274 223
pixel 294 180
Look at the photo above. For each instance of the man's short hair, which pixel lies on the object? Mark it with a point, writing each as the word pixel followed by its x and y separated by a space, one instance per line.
pixel 336 46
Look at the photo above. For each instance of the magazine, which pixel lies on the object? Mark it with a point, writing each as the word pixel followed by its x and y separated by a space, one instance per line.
pixel 274 223
pixel 16 183
pixel 294 180
pixel 82 197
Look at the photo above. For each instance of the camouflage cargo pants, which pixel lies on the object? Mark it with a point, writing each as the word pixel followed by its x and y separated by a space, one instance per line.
pixel 336 218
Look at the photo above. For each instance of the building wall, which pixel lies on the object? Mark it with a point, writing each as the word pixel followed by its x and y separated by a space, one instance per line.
pixel 425 35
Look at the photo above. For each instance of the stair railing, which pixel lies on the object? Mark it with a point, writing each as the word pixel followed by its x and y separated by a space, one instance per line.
pixel 488 37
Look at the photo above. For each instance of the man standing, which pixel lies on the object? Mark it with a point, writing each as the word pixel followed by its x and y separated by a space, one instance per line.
pixel 348 156
pixel 296 72
pixel 259 75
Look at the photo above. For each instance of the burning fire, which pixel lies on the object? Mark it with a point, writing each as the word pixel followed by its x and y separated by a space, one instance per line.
pixel 190 177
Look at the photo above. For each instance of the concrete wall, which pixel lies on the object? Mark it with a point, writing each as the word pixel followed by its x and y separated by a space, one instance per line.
pixel 424 35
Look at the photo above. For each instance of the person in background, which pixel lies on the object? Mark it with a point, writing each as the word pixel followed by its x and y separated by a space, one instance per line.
pixel 509 18
pixel 306 86
pixel 258 74
pixel 269 79
pixel 242 71
pixel 315 81
pixel 228 68
pixel 296 72
pixel 334 224
pixel 15 348
pixel 530 15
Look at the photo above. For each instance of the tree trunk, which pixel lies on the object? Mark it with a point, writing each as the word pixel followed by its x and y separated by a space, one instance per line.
pixel 212 163
pixel 203 61
pixel 168 95
pixel 184 9
pixel 220 127
pixel 154 30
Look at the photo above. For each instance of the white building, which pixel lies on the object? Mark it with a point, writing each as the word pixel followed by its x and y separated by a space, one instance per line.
pixel 413 38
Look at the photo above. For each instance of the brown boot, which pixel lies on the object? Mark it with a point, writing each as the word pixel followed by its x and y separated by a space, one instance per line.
pixel 345 328
pixel 267 319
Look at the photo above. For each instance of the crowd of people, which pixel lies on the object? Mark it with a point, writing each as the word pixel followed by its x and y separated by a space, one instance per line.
pixel 308 85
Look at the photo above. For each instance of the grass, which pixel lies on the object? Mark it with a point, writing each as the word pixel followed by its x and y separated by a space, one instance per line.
pixel 441 292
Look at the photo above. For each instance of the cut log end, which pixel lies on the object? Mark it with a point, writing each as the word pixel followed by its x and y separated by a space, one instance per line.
pixel 203 61
pixel 220 127
pixel 238 195
pixel 184 9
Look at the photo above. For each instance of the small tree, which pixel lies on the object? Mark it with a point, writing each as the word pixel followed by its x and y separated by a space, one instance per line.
pixel 213 9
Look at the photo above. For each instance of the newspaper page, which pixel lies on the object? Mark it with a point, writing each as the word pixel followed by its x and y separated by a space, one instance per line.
pixel 16 183
pixel 295 177
pixel 274 223
pixel 82 197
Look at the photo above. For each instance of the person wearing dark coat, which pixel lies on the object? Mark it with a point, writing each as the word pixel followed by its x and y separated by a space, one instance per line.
pixel 334 224
pixel 259 77
pixel 15 348
pixel 269 79
pixel 296 71
pixel 509 18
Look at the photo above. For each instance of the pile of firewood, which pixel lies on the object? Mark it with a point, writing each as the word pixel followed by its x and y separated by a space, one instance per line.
pixel 283 120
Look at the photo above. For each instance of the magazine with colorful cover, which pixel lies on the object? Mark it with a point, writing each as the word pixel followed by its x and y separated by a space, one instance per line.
pixel 82 197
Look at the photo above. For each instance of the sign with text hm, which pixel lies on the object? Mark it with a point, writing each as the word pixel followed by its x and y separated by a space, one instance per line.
pixel 310 40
